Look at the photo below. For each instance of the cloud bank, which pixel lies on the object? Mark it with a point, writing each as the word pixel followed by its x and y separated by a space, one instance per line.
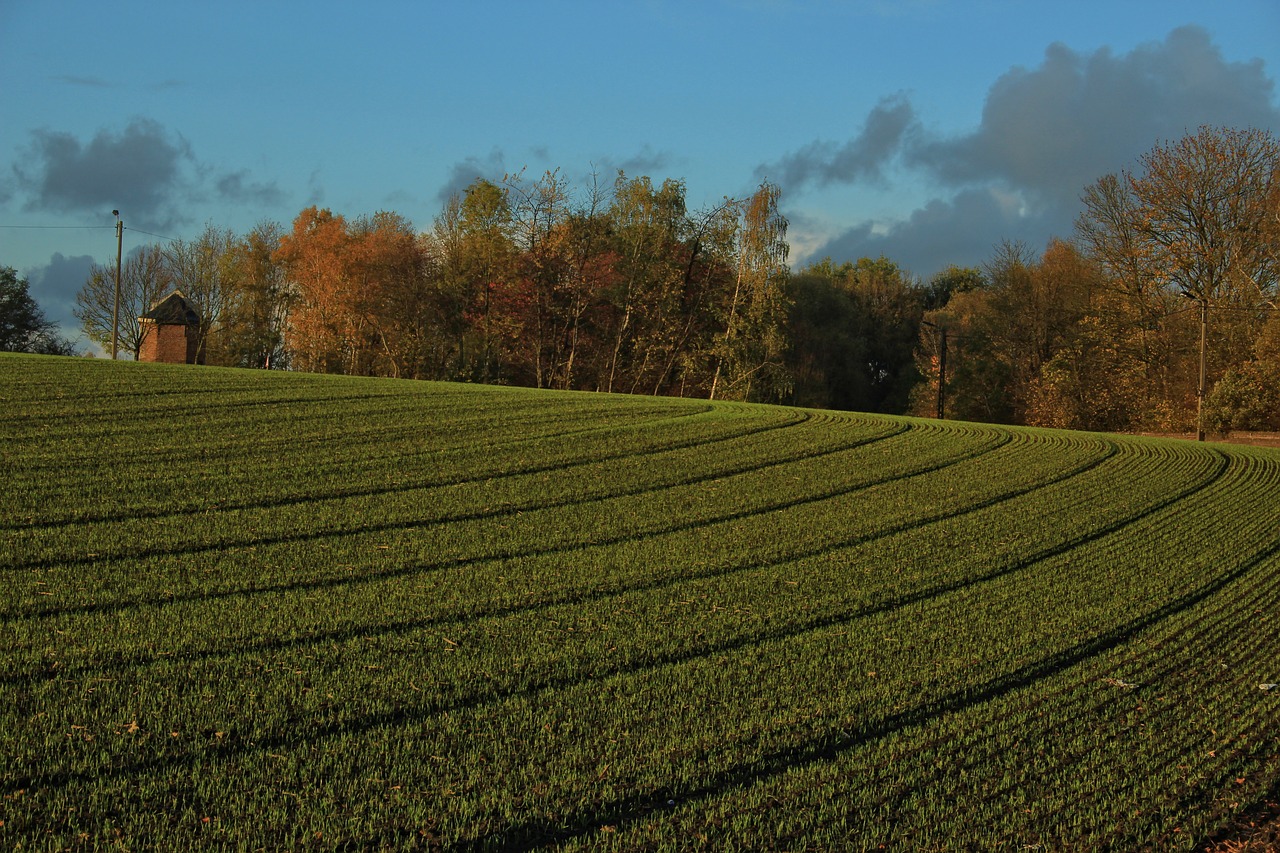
pixel 1046 133
pixel 148 173
pixel 54 287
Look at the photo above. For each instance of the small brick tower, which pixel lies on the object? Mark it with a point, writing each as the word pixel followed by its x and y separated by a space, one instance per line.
pixel 171 332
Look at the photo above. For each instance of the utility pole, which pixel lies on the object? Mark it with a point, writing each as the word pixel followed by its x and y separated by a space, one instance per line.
pixel 1204 334
pixel 942 367
pixel 942 376
pixel 115 311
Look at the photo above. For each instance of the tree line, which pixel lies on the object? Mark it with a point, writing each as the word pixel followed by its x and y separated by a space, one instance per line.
pixel 522 282
pixel 622 288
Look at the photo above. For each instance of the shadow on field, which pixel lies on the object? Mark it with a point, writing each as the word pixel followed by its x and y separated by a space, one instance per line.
pixel 637 806
pixel 422 567
pixel 773 764
pixel 583 597
pixel 595 457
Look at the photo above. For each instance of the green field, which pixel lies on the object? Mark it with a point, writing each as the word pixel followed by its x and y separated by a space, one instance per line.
pixel 262 610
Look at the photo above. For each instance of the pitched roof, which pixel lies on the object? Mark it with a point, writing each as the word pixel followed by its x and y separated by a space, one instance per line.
pixel 173 309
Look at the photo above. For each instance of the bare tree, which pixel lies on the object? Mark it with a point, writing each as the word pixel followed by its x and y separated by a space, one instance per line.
pixel 144 278
pixel 203 270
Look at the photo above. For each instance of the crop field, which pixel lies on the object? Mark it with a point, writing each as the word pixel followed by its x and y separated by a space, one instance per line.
pixel 256 610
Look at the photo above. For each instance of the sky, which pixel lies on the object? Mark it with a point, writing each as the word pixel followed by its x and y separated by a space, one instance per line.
pixel 926 131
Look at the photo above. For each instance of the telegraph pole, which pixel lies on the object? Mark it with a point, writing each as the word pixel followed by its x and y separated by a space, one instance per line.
pixel 942 376
pixel 942 367
pixel 1204 334
pixel 115 311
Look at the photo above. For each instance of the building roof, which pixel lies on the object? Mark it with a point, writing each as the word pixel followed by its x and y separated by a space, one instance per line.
pixel 174 309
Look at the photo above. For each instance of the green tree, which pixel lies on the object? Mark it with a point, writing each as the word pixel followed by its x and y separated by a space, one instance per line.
pixel 829 346
pixel 1247 397
pixel 649 272
pixel 472 240
pixel 23 326
pixel 952 280
pixel 854 329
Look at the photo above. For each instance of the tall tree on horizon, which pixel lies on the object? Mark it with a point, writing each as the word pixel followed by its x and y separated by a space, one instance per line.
pixel 204 269
pixel 750 351
pixel 23 326
pixel 254 320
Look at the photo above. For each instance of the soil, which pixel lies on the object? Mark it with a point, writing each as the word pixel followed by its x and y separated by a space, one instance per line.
pixel 1255 831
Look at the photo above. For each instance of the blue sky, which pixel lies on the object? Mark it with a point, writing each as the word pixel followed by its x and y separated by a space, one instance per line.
pixel 924 130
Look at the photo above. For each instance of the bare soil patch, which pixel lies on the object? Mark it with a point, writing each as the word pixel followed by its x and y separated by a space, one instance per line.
pixel 1255 831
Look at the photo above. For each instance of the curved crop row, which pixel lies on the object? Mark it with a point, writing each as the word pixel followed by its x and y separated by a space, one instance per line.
pixel 499 619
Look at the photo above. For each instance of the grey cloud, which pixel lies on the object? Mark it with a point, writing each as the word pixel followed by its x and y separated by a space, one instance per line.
pixel 149 174
pixel 465 173
pixel 889 126
pixel 315 188
pixel 237 187
pixel 1055 129
pixel 961 230
pixel 604 170
pixel 646 161
pixel 54 287
pixel 400 198
pixel 1046 134
pixel 140 171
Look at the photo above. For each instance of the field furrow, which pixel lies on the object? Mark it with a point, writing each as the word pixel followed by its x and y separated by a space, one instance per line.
pixel 260 610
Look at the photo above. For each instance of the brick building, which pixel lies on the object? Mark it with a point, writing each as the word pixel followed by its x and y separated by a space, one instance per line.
pixel 171 332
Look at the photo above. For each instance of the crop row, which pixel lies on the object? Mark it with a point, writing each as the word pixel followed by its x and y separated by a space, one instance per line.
pixel 642 627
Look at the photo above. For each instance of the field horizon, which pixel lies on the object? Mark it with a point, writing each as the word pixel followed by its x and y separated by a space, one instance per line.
pixel 252 609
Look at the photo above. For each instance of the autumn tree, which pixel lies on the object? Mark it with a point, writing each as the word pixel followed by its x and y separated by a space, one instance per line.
pixel 472 240
pixel 1003 334
pixel 391 271
pixel 750 351
pixel 324 329
pixel 144 279
pixel 253 322
pixel 1089 380
pixel 538 304
pixel 1195 222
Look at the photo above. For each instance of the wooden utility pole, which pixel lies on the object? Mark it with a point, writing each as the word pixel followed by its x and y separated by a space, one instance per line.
pixel 942 376
pixel 115 310
pixel 1204 335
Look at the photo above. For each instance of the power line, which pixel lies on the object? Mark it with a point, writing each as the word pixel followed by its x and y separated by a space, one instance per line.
pixel 149 234
pixel 82 227
pixel 53 227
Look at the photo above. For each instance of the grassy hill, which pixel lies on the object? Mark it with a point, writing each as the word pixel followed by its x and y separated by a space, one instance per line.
pixel 267 610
